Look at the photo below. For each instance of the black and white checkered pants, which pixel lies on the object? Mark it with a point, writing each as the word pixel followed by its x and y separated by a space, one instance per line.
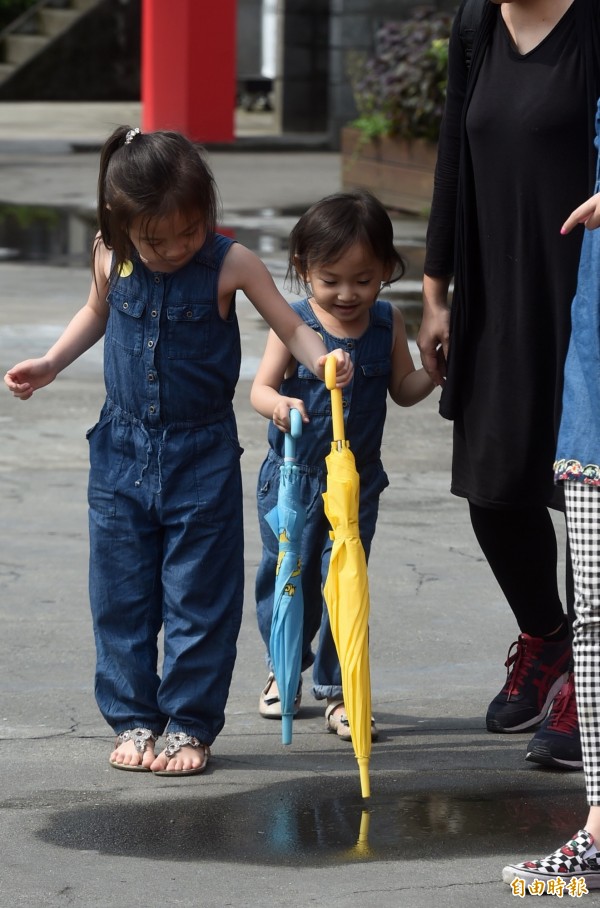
pixel 583 524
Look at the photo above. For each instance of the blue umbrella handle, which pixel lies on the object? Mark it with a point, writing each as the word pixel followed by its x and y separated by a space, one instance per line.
pixel 294 433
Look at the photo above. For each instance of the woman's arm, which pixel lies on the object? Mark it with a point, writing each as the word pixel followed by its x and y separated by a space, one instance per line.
pixel 434 332
pixel 433 335
pixel 439 257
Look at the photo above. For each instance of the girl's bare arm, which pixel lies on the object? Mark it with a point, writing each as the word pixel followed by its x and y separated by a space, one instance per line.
pixel 264 394
pixel 407 385
pixel 85 328
pixel 242 270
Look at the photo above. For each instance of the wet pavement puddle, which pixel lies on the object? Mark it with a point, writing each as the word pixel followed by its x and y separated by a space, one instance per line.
pixel 308 821
pixel 59 235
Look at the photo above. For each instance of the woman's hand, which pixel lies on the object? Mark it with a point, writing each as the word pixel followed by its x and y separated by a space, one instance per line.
pixel 434 333
pixel 587 214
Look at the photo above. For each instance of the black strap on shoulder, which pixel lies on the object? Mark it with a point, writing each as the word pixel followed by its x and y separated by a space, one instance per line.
pixel 469 23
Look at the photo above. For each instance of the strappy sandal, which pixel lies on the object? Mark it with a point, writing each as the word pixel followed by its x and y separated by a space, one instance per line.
pixel 338 724
pixel 141 737
pixel 269 704
pixel 175 741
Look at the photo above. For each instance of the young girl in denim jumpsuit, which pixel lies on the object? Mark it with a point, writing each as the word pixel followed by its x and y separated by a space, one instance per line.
pixel 342 251
pixel 165 497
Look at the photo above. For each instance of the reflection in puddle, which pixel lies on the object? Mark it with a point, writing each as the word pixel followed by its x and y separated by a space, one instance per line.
pixel 59 235
pixel 54 235
pixel 306 821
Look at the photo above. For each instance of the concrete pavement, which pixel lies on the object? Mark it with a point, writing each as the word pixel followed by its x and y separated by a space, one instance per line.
pixel 266 825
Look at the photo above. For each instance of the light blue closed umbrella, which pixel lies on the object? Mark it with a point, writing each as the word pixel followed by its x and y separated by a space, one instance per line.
pixel 287 521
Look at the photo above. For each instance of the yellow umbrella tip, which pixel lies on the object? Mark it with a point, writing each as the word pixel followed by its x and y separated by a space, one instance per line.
pixel 365 785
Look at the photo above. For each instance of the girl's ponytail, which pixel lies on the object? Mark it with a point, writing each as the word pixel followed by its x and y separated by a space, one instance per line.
pixel 114 142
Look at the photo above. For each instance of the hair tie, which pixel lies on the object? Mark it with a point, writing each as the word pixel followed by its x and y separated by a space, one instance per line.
pixel 132 133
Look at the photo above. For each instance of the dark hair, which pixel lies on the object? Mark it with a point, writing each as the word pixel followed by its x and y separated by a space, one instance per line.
pixel 151 175
pixel 331 226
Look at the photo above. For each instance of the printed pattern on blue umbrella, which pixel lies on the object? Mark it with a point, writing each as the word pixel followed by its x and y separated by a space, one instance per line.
pixel 287 521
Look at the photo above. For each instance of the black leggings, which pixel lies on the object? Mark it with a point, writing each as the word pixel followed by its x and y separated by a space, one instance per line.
pixel 520 547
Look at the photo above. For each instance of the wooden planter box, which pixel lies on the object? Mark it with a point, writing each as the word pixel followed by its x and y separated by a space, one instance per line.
pixel 398 171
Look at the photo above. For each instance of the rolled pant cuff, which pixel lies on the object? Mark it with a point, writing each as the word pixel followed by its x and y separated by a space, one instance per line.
pixel 331 692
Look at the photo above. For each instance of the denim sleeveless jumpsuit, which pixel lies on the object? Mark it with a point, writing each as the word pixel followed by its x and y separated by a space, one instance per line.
pixel 165 501
pixel 364 403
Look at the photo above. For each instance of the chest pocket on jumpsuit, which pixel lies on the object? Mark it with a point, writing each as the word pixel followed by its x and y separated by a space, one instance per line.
pixel 310 391
pixel 188 329
pixel 374 380
pixel 381 368
pixel 125 326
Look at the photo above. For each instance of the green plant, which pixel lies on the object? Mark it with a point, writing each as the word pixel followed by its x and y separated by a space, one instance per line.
pixel 26 216
pixel 12 9
pixel 400 89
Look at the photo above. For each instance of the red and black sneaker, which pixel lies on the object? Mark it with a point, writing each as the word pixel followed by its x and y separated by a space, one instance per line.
pixel 536 671
pixel 557 742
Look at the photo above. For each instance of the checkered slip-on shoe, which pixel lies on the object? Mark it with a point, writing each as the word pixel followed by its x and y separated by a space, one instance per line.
pixel 578 858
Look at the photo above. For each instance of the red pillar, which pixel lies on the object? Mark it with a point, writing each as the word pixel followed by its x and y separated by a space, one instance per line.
pixel 189 67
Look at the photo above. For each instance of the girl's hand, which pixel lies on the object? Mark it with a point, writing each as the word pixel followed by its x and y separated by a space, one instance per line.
pixel 26 377
pixel 344 367
pixel 281 413
pixel 587 214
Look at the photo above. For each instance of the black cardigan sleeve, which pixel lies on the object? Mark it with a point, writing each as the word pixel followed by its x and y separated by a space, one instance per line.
pixel 439 256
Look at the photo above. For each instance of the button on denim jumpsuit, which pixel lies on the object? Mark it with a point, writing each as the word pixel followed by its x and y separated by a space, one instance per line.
pixel 165 501
pixel 364 403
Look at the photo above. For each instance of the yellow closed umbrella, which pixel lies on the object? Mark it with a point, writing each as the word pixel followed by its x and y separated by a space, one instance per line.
pixel 347 587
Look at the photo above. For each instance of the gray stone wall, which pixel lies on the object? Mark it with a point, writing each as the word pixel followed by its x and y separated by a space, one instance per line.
pixel 318 42
pixel 303 67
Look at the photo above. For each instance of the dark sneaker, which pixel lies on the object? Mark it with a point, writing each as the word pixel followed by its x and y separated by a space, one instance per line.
pixel 578 859
pixel 557 742
pixel 535 673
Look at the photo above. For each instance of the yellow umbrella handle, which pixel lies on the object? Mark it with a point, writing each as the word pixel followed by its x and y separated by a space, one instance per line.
pixel 337 409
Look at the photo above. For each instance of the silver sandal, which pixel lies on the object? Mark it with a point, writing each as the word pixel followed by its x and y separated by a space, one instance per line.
pixel 175 741
pixel 141 737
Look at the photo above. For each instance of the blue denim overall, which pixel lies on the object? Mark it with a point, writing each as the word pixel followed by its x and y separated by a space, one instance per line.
pixel 165 501
pixel 578 445
pixel 364 403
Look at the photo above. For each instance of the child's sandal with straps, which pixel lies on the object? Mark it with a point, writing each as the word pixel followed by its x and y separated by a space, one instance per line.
pixel 338 724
